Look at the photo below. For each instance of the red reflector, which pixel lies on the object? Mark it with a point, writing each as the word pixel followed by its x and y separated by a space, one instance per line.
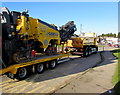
pixel 81 49
pixel 33 52
pixel 50 48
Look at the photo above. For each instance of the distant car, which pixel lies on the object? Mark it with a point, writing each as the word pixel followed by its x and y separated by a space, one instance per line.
pixel 109 44
pixel 116 45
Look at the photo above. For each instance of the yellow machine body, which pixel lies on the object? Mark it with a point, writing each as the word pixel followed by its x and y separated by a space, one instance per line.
pixel 38 31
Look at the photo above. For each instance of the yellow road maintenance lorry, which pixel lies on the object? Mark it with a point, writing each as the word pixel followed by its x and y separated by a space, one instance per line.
pixel 84 45
pixel 30 44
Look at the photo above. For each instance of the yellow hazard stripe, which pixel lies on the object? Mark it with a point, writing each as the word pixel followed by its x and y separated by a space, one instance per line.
pixel 3 82
pixel 15 87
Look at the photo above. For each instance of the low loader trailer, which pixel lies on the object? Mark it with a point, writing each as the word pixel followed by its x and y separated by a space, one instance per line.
pixel 23 69
pixel 30 44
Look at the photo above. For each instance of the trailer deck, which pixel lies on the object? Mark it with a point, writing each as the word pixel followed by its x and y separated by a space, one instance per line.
pixel 13 68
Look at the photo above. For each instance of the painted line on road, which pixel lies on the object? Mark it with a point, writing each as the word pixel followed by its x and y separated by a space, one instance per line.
pixel 13 84
pixel 21 90
pixel 29 84
pixel 16 87
pixel 6 81
pixel 1 86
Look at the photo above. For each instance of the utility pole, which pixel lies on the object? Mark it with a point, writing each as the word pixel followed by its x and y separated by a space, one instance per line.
pixel 80 29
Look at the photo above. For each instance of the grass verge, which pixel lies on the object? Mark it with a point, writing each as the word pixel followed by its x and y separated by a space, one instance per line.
pixel 116 77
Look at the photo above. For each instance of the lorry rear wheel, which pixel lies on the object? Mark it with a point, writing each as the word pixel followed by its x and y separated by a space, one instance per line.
pixel 52 64
pixel 96 49
pixel 86 52
pixel 39 68
pixel 90 51
pixel 22 73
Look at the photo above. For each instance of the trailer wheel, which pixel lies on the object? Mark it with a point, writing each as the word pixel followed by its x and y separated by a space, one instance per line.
pixel 22 73
pixel 86 52
pixel 16 57
pixel 52 64
pixel 90 51
pixel 39 68
pixel 96 49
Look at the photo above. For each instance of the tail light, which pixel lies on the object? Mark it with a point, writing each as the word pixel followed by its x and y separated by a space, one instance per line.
pixel 81 49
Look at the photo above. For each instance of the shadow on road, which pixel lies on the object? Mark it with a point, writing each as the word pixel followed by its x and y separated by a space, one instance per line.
pixel 72 67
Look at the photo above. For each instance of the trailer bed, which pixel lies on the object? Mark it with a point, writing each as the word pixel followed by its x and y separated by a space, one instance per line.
pixel 32 61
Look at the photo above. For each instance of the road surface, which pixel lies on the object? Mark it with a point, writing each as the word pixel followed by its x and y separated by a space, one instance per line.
pixel 97 80
pixel 51 80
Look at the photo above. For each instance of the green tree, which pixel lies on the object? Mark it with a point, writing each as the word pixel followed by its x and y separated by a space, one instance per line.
pixel 108 35
pixel 118 34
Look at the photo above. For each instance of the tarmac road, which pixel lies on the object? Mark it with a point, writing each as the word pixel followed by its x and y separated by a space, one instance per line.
pixel 51 80
pixel 97 80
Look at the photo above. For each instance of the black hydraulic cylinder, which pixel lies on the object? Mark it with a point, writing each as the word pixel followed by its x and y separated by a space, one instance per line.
pixel 67 30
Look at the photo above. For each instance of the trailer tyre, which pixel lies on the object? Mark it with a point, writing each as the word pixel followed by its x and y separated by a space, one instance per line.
pixel 86 52
pixel 39 68
pixel 22 73
pixel 96 50
pixel 90 51
pixel 16 57
pixel 52 64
